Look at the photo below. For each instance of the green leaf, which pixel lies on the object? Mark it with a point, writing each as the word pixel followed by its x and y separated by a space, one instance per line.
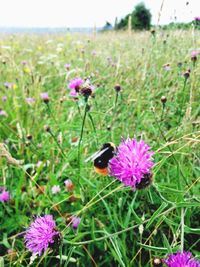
pixel 156 214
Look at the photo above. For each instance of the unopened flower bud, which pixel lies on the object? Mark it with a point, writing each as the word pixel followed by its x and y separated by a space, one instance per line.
pixel 29 137
pixel 163 99
pixel 186 74
pixel 157 262
pixel 117 88
pixel 47 128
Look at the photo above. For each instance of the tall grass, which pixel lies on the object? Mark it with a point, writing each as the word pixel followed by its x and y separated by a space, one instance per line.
pixel 119 226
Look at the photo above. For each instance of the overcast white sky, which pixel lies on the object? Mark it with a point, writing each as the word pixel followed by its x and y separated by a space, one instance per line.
pixel 87 13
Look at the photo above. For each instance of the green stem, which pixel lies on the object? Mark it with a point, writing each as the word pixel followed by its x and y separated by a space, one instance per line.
pixel 81 136
pixel 182 102
pixel 93 126
pixel 165 139
pixel 59 146
pixel 182 229
pixel 116 98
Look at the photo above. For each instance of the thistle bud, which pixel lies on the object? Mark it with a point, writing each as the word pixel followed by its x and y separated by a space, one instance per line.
pixel 117 88
pixel 187 74
pixel 29 137
pixel 157 262
pixel 47 128
pixel 45 97
pixel 163 99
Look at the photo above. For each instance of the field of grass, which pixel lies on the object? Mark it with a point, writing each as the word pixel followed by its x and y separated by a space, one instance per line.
pixel 45 144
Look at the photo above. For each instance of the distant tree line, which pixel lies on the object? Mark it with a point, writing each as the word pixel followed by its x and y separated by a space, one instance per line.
pixel 141 20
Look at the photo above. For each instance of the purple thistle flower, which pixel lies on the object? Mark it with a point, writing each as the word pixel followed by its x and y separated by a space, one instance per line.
pixel 75 83
pixel 181 259
pixel 194 53
pixel 45 97
pixel 3 113
pixel 30 100
pixel 4 196
pixel 197 18
pixel 75 222
pixel 132 163
pixel 73 93
pixel 4 98
pixel 24 62
pixel 8 85
pixel 67 66
pixel 41 234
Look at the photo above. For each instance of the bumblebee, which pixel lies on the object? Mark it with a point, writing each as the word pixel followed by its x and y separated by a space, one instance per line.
pixel 146 181
pixel 101 158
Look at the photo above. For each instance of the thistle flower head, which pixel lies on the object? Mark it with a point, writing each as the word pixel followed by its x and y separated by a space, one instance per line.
pixel 181 259
pixel 197 18
pixel 45 97
pixel 75 222
pixel 3 113
pixel 67 66
pixel 41 234
pixel 30 100
pixel 75 83
pixel 4 195
pixel 132 163
pixel 194 53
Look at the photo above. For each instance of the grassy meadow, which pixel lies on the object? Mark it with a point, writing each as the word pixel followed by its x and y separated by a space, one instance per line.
pixel 44 144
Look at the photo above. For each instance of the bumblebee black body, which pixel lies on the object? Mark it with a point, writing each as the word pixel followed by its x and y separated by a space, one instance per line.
pixel 101 161
pixel 145 182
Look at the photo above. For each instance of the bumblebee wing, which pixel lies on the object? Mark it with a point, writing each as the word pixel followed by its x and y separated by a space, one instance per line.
pixel 96 154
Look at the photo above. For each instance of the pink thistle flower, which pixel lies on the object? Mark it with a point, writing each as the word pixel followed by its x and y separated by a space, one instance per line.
pixel 132 163
pixel 8 85
pixel 94 53
pixel 75 222
pixel 24 62
pixel 181 259
pixel 4 196
pixel 73 93
pixel 67 66
pixel 194 53
pixel 3 113
pixel 4 98
pixel 197 18
pixel 55 189
pixel 30 100
pixel 41 234
pixel 45 97
pixel 75 83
